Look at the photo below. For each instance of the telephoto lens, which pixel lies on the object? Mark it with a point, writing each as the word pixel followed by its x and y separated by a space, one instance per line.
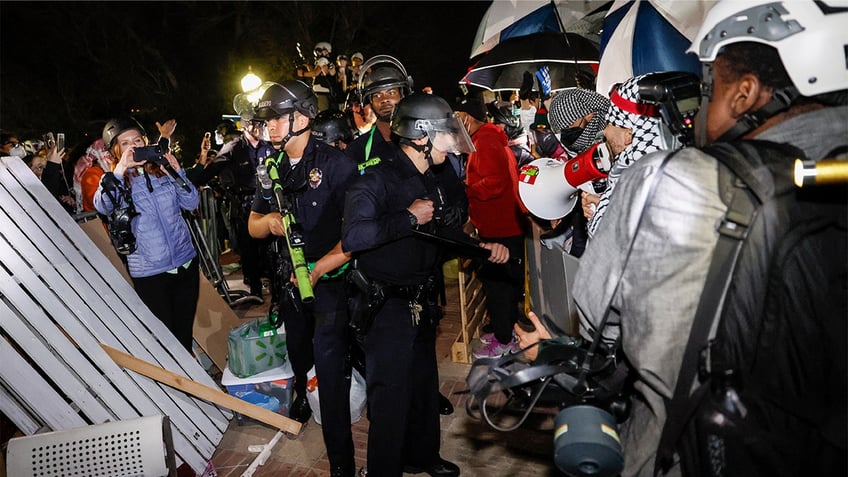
pixel 586 442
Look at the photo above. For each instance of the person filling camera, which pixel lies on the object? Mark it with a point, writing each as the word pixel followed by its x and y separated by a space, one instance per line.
pixel 144 203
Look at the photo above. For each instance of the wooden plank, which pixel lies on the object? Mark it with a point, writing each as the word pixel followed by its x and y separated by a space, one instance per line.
pixel 213 395
pixel 21 417
pixel 31 389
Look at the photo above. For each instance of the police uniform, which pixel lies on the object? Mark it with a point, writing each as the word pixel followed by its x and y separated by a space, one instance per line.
pixel 369 149
pixel 316 186
pixel 401 368
pixel 235 167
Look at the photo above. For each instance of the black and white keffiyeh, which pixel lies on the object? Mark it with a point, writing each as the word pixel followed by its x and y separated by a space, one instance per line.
pixel 570 104
pixel 627 111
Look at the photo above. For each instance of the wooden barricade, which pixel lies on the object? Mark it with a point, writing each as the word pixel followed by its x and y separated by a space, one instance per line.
pixel 472 308
pixel 60 298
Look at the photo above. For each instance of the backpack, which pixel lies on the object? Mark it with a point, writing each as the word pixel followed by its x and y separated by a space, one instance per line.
pixel 767 395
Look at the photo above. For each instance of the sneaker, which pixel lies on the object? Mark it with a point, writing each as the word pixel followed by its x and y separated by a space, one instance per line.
pixel 487 338
pixel 495 349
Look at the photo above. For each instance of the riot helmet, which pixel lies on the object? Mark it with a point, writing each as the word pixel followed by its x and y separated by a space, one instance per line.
pixel 380 73
pixel 427 115
pixel 331 126
pixel 283 98
pixel 114 128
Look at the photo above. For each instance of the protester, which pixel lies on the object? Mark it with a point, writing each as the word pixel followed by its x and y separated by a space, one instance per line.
pixel 161 259
pixel 493 207
pixel 757 87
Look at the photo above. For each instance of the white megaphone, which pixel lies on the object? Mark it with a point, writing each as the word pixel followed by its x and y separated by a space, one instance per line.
pixel 548 187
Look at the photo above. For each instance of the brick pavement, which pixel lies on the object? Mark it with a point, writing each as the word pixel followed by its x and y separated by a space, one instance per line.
pixel 479 450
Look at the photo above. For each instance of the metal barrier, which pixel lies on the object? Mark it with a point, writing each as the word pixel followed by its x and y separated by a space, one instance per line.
pixel 203 226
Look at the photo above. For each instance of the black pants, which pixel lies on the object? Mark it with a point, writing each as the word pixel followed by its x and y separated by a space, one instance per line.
pixel 330 349
pixel 403 389
pixel 504 288
pixel 172 297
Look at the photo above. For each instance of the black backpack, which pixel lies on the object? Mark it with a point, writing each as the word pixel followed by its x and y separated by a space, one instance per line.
pixel 770 396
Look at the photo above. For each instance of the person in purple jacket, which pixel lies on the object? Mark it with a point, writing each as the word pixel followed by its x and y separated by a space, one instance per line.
pixel 144 200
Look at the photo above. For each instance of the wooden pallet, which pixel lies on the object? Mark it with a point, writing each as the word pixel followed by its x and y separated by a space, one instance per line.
pixel 60 299
pixel 472 309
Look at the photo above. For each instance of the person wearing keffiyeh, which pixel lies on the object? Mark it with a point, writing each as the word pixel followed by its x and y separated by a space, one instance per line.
pixel 634 128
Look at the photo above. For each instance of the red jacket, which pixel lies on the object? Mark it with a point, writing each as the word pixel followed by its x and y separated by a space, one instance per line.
pixel 491 184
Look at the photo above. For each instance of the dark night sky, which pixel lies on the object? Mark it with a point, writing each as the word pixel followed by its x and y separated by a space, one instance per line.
pixel 69 66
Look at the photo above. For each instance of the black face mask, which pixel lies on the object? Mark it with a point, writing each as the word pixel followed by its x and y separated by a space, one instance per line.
pixel 568 136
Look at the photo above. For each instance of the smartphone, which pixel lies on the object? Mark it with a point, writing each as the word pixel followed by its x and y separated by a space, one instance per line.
pixel 60 141
pixel 48 140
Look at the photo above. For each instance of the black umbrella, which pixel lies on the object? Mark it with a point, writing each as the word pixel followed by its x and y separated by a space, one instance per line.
pixel 568 56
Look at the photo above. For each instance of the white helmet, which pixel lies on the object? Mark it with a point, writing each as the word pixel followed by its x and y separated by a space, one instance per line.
pixel 323 45
pixel 810 37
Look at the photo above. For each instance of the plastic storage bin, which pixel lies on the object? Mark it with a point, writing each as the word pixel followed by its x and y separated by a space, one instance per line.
pixel 271 389
pixel 255 347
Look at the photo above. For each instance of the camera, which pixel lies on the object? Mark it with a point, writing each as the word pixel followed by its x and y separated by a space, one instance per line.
pixel 678 94
pixel 586 382
pixel 120 230
pixel 151 154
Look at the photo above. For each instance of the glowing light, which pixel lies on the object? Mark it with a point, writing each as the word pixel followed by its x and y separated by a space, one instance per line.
pixel 250 81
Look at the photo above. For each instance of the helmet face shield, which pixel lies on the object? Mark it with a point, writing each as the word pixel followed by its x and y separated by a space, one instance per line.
pixel 447 135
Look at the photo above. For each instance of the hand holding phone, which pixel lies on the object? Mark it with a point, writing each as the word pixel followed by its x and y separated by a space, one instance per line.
pixel 60 141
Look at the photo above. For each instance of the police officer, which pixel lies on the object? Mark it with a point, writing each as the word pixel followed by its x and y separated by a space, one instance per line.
pixel 314 178
pixel 382 83
pixel 333 128
pixel 383 209
pixel 235 168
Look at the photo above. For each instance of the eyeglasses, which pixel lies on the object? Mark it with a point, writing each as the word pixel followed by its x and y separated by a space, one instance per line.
pixel 13 143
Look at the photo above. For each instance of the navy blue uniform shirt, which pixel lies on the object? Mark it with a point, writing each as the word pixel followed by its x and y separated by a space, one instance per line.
pixel 319 203
pixel 377 226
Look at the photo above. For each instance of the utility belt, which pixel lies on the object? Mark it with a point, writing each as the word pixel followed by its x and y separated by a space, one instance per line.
pixel 366 298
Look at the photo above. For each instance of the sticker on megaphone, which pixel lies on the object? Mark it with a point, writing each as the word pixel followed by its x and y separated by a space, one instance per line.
pixel 543 189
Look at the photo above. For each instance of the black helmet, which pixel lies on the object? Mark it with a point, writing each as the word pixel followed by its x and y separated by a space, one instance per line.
pixel 116 126
pixel 416 110
pixel 383 72
pixel 427 115
pixel 283 98
pixel 331 126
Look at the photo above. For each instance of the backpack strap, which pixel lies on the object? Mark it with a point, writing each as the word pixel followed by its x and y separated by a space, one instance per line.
pixel 732 230
pixel 755 181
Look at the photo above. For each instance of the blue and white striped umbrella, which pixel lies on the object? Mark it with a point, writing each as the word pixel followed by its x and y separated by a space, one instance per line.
pixel 646 36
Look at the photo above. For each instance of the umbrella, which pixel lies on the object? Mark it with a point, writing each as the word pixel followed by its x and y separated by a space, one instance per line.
pixel 566 55
pixel 507 19
pixel 646 36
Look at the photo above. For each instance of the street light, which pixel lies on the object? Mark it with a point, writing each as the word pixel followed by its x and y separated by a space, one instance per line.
pixel 250 81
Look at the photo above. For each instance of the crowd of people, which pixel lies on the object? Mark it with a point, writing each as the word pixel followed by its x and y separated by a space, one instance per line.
pixel 377 177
